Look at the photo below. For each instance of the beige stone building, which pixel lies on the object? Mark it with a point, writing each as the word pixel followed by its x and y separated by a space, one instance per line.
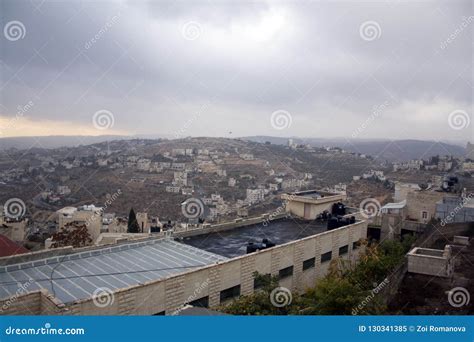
pixel 299 264
pixel 14 229
pixel 142 219
pixel 421 205
pixel 90 216
pixel 308 204
pixel 157 276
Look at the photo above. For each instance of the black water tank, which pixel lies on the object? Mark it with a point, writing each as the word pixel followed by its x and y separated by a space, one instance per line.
pixel 338 209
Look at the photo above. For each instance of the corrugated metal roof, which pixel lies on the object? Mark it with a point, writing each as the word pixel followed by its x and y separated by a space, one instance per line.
pixel 78 276
pixel 399 205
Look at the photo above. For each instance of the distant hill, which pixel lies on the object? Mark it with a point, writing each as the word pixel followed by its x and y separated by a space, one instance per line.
pixel 399 150
pixel 55 141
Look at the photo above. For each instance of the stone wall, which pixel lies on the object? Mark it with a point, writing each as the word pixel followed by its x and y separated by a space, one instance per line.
pixel 422 201
pixel 169 294
pixel 432 262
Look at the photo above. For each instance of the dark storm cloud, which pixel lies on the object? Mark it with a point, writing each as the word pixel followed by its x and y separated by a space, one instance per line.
pixel 154 65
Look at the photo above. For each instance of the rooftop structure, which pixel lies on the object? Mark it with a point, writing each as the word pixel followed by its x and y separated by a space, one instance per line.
pixel 453 209
pixel 161 276
pixel 393 207
pixel 77 276
pixel 309 204
pixel 434 262
pixel 233 242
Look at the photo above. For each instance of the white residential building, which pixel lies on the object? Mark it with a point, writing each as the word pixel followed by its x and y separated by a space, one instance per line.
pixel 255 195
pixel 173 189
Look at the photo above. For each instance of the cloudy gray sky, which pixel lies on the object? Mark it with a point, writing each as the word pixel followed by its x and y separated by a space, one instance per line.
pixel 387 69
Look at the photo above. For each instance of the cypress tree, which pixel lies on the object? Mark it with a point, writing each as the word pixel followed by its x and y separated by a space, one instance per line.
pixel 133 226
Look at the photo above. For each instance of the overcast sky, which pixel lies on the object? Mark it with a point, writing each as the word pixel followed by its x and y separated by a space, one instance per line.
pixel 219 68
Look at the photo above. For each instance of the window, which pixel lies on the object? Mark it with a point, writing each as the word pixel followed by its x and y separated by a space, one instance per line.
pixel 261 280
pixel 326 256
pixel 285 273
pixel 201 302
pixel 424 214
pixel 230 293
pixel 343 250
pixel 307 264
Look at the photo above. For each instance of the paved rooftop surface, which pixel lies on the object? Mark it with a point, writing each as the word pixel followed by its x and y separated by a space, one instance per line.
pixel 233 242
pixel 80 275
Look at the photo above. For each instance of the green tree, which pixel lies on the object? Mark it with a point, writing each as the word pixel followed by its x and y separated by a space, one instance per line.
pixel 260 302
pixel 333 295
pixel 133 226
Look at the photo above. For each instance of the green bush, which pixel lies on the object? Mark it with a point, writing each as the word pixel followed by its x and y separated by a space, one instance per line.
pixel 344 288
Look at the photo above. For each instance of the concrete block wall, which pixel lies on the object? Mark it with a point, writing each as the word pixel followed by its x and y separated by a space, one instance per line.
pixel 169 294
pixel 246 271
pixel 427 265
pixel 419 201
pixel 298 259
pixel 430 262
pixel 214 286
pixel 174 290
pixel 26 304
pixel 297 209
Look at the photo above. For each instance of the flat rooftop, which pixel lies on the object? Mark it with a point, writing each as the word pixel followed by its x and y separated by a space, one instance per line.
pixel 232 243
pixel 311 194
pixel 76 276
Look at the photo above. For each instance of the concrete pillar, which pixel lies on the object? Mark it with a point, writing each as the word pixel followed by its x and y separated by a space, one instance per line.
pixel 246 275
pixel 214 286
